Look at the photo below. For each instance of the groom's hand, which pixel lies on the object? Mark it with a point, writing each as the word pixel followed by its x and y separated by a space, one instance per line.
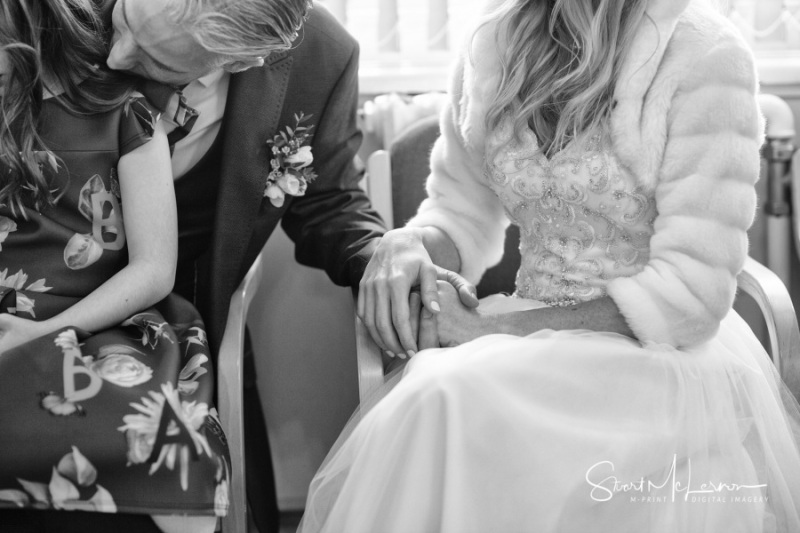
pixel 399 264
pixel 423 304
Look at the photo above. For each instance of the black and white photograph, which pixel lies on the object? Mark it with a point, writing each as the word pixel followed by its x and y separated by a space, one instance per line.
pixel 399 266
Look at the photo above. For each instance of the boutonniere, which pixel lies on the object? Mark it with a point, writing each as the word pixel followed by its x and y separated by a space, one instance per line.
pixel 291 170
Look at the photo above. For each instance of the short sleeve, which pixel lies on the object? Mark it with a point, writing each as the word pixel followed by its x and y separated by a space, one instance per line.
pixel 137 123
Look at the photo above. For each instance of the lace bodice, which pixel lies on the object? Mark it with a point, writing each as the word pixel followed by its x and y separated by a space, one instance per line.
pixel 583 220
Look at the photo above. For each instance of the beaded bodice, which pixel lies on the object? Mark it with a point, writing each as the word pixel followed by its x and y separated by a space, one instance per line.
pixel 583 219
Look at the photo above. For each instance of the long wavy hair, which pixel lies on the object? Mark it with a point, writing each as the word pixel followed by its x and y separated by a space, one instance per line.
pixel 560 60
pixel 61 46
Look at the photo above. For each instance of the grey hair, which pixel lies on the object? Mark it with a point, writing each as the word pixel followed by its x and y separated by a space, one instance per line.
pixel 241 29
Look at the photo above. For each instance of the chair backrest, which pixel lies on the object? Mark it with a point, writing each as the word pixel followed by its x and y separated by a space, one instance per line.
pixel 410 165
pixel 230 387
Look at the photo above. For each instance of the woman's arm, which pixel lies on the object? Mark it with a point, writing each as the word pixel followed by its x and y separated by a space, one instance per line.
pixel 459 228
pixel 150 221
pixel 151 228
pixel 406 258
pixel 458 324
pixel 706 202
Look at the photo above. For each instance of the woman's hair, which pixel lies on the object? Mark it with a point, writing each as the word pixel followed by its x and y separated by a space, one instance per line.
pixel 57 42
pixel 241 29
pixel 560 60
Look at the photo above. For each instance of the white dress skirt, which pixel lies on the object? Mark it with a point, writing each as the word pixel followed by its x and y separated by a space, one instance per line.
pixel 569 431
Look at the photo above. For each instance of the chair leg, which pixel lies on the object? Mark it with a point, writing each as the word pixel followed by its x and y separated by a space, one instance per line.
pixel 260 477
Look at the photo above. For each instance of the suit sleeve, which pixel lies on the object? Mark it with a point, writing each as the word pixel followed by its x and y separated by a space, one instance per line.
pixel 706 202
pixel 333 225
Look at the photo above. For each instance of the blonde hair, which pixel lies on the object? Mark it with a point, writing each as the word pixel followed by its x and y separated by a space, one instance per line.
pixel 560 60
pixel 241 29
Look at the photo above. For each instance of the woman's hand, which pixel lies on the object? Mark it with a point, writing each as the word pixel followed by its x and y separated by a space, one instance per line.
pixel 457 323
pixel 400 263
pixel 15 330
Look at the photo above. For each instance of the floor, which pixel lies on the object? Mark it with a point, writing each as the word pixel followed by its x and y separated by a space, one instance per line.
pixel 289 522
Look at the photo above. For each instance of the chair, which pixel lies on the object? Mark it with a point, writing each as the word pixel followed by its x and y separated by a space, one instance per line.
pixel 229 395
pixel 396 178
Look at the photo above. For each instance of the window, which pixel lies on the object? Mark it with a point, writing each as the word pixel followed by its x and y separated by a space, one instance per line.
pixel 406 45
pixel 768 24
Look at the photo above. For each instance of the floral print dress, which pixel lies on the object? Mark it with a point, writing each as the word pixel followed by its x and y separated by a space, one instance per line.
pixel 116 421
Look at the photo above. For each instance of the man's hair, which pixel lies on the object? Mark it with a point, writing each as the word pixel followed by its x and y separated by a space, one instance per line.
pixel 241 29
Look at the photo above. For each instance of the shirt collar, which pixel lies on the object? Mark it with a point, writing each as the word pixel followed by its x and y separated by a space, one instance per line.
pixel 211 78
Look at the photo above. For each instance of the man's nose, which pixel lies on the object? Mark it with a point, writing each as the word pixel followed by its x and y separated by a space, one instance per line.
pixel 122 55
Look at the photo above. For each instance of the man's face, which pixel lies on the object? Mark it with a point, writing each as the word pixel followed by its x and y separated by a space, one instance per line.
pixel 146 42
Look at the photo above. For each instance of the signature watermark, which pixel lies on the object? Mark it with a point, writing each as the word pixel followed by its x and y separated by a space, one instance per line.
pixel 605 485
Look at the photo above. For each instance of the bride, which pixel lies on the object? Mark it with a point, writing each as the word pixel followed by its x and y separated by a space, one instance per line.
pixel 616 390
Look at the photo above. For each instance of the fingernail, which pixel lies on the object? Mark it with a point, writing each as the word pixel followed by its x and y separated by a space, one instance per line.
pixel 401 355
pixel 411 353
pixel 390 354
pixel 435 306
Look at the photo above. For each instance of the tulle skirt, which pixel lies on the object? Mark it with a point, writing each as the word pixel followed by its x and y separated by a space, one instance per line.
pixel 570 431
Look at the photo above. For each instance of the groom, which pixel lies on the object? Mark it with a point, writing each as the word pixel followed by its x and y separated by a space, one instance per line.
pixel 248 73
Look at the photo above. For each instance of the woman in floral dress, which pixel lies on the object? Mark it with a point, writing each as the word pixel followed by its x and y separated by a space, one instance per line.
pixel 106 378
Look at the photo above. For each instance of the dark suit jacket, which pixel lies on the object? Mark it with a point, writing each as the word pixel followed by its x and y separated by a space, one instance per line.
pixel 332 225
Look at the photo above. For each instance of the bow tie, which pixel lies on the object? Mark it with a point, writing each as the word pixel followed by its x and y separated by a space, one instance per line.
pixel 185 117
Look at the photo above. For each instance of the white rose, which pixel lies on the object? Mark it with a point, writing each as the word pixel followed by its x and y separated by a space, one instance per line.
pixel 289 183
pixel 120 368
pixel 140 446
pixel 6 226
pixel 82 251
pixel 275 194
pixel 301 158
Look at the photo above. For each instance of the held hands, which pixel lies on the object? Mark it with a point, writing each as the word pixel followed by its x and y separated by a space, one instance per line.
pixel 456 323
pixel 400 263
pixel 15 331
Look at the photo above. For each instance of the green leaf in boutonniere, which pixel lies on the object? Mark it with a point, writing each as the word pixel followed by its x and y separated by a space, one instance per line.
pixel 290 165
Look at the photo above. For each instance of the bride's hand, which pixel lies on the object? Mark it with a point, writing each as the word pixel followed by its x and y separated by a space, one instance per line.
pixel 457 323
pixel 400 263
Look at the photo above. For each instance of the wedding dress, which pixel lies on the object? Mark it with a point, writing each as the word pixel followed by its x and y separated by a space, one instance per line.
pixel 570 431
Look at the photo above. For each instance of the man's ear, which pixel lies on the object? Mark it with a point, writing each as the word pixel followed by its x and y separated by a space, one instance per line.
pixel 244 64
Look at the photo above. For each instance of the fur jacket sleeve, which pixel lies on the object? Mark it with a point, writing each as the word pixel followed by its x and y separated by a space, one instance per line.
pixel 686 124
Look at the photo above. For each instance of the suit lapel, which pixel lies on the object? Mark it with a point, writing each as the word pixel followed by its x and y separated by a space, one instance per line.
pixel 253 109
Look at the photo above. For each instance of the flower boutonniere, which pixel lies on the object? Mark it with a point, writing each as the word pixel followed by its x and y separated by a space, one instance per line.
pixel 291 170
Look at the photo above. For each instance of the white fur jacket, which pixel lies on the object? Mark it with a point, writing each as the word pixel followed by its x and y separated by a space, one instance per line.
pixel 686 124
